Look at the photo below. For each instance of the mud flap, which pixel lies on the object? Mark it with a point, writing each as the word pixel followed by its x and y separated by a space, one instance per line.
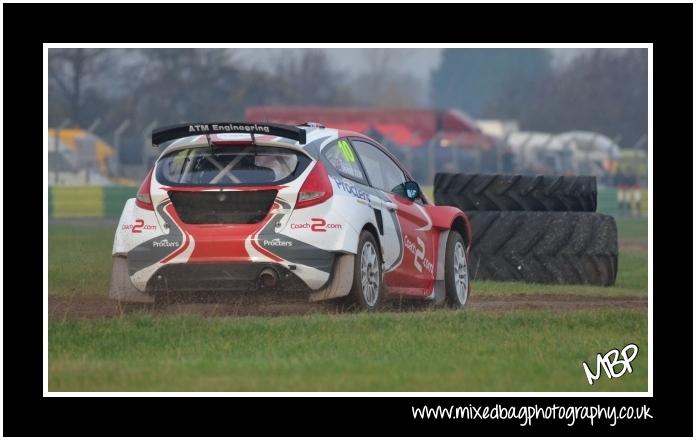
pixel 340 283
pixel 122 288
pixel 438 295
pixel 439 288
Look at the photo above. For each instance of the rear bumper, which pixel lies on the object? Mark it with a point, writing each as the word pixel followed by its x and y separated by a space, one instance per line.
pixel 221 277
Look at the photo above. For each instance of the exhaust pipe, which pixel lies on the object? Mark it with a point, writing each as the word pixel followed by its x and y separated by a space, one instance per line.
pixel 268 277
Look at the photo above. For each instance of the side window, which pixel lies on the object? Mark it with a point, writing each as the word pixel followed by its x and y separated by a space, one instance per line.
pixel 382 171
pixel 344 160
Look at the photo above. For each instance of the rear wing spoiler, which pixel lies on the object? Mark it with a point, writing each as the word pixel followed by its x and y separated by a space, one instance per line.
pixel 165 134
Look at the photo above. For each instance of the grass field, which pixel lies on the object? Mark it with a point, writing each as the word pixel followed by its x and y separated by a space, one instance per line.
pixel 425 351
pixel 79 258
pixel 431 350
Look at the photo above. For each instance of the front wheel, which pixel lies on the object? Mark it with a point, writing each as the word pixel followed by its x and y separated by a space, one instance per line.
pixel 367 292
pixel 456 271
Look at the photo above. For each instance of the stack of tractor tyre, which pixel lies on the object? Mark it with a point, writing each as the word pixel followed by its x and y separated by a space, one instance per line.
pixel 536 229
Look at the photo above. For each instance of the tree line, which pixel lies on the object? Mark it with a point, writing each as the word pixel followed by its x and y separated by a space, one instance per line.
pixel 601 90
pixel 174 85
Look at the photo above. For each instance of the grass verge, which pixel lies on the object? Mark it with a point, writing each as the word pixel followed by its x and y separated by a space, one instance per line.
pixel 79 258
pixel 425 351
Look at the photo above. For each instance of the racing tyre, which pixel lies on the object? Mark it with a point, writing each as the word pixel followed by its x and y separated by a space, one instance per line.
pixel 367 292
pixel 544 247
pixel 508 192
pixel 456 271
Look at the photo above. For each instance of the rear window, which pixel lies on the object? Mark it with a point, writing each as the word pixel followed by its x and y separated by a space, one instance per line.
pixel 231 165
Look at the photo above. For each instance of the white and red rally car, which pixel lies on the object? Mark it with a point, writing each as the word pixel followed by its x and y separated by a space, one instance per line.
pixel 243 206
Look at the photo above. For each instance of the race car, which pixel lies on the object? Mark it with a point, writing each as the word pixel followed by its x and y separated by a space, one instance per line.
pixel 242 206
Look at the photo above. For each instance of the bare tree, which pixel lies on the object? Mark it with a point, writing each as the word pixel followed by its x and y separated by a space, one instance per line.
pixel 602 90
pixel 379 63
pixel 186 84
pixel 309 79
pixel 72 71
pixel 383 83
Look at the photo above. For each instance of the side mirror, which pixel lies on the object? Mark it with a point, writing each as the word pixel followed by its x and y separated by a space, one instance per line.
pixel 412 190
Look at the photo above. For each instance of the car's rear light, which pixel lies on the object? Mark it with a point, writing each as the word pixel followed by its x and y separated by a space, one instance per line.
pixel 315 189
pixel 143 199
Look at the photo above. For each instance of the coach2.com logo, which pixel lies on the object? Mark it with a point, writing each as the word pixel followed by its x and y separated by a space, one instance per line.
pixel 138 226
pixel 317 225
pixel 420 261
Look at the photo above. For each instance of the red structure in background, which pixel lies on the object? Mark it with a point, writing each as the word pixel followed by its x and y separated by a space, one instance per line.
pixel 409 128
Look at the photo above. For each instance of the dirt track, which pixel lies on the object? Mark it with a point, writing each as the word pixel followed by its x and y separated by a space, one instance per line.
pixel 99 306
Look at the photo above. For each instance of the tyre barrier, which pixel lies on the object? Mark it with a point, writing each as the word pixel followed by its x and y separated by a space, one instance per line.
pixel 544 247
pixel 507 192
pixel 535 229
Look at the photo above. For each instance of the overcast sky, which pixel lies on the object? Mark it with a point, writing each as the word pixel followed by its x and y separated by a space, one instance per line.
pixel 418 62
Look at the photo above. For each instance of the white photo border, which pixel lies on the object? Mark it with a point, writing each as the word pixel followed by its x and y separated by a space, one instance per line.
pixel 641 394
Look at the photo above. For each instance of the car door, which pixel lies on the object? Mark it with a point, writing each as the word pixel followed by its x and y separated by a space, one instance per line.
pixel 411 274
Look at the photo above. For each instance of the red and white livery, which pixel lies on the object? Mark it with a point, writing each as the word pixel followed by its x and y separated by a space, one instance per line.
pixel 241 206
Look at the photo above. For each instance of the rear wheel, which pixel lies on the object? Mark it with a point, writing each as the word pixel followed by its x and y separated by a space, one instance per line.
pixel 367 292
pixel 456 271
